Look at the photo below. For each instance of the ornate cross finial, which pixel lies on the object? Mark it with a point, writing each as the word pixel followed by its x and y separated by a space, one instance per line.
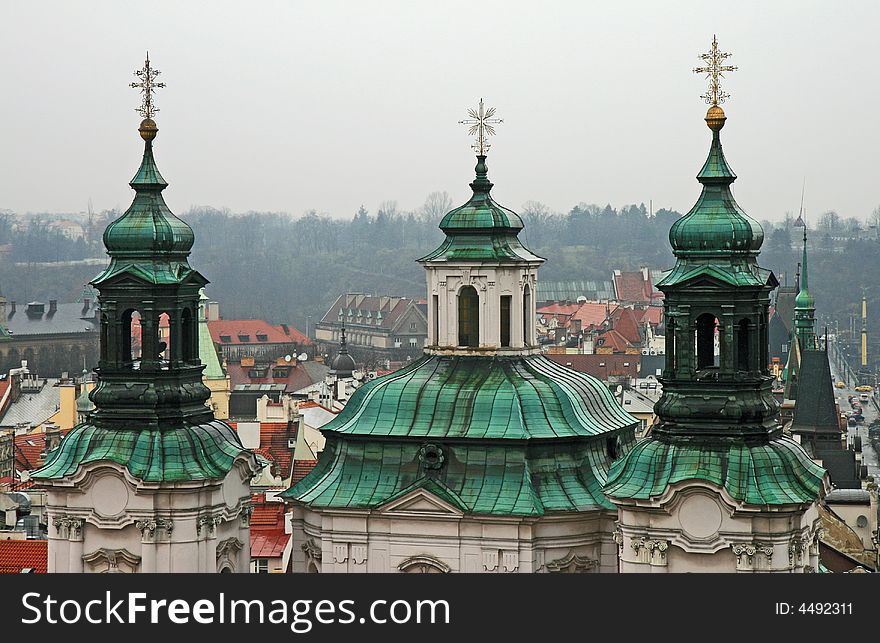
pixel 147 84
pixel 481 122
pixel 714 71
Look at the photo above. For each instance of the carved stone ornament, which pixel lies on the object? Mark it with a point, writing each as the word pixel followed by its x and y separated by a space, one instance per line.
pixel 572 563
pixel 116 560
pixel 431 456
pixel 617 537
pixel 150 526
pixel 312 550
pixel 247 511
pixel 424 565
pixel 69 526
pixel 210 522
pixel 745 552
pixel 229 547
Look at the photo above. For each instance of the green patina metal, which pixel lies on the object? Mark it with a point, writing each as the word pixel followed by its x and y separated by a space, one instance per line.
pixel 149 412
pixel 716 233
pixel 778 472
pixel 805 307
pixel 522 479
pixel 197 452
pixel 454 396
pixel 481 230
pixel 717 416
pixel 518 436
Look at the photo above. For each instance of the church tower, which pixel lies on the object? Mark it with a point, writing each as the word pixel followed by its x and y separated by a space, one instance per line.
pixel 150 481
pixel 717 487
pixel 482 456
pixel 805 305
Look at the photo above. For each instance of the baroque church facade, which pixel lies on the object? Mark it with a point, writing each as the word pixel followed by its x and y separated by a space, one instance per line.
pixel 482 456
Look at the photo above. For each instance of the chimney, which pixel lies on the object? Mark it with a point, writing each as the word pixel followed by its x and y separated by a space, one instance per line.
pixel 87 303
pixel 11 307
pixel 53 307
pixel 2 310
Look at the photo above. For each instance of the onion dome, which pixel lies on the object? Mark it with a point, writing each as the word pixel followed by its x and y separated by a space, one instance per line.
pixel 148 227
pixel 716 225
pixel 481 229
pixel 343 364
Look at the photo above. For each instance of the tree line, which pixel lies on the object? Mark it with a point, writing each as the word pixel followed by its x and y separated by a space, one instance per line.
pixel 289 269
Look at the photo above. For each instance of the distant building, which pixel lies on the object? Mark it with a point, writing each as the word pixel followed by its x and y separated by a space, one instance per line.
pixel 377 327
pixel 637 287
pixel 255 338
pixel 53 338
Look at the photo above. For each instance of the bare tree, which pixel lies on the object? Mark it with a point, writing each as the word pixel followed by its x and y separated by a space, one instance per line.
pixel 437 204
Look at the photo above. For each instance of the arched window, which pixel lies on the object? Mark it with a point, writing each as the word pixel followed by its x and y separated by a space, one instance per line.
pixel 188 350
pixel 527 315
pixel 742 345
pixel 706 341
pixel 130 329
pixel 166 350
pixel 105 336
pixel 423 565
pixel 505 319
pixel 468 317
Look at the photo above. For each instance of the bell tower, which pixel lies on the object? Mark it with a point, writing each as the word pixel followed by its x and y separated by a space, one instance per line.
pixel 149 481
pixel 481 280
pixel 717 486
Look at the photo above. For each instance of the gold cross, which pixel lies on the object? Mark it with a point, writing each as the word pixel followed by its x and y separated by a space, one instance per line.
pixel 714 72
pixel 481 122
pixel 147 85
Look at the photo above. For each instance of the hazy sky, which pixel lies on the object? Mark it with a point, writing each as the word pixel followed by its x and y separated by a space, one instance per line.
pixel 289 106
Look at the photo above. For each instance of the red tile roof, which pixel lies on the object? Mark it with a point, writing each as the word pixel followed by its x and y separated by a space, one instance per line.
pixel 626 322
pixel 558 309
pixel 301 468
pixel 28 450
pixel 600 366
pixel 614 340
pixel 268 544
pixel 633 286
pixel 652 315
pixel 298 376
pixel 268 539
pixel 233 328
pixel 591 315
pixel 16 555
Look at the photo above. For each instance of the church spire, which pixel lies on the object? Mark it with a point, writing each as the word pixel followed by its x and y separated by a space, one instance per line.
pixel 805 303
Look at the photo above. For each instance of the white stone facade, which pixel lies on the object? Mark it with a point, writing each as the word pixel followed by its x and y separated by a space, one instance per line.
pixel 421 533
pixel 491 281
pixel 103 520
pixel 697 527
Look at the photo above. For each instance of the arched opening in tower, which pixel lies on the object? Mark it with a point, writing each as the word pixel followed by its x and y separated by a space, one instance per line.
pixel 468 317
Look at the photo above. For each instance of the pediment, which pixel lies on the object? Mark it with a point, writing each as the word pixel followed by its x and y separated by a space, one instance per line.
pixel 420 502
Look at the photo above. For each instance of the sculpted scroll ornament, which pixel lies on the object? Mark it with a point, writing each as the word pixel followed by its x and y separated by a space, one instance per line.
pixel 149 527
pixel 312 550
pixel 745 553
pixel 68 526
pixel 655 549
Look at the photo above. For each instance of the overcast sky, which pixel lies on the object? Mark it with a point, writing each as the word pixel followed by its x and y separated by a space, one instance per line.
pixel 290 106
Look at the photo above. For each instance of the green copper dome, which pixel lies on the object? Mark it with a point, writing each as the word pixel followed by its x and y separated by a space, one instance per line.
pixel 148 227
pixel 481 230
pixel 481 212
pixel 716 225
pixel 492 435
pixel 482 397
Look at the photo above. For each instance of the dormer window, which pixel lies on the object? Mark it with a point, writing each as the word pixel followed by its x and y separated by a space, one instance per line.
pixel 244 338
pixel 262 337
pixel 226 339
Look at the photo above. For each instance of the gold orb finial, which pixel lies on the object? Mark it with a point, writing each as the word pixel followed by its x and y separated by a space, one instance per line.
pixel 715 118
pixel 148 129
